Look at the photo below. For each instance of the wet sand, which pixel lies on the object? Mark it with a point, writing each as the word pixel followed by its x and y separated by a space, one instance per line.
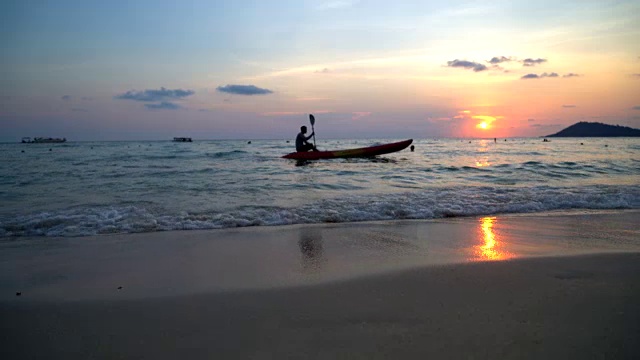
pixel 552 286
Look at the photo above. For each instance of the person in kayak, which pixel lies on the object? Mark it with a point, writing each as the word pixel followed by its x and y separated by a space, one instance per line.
pixel 302 145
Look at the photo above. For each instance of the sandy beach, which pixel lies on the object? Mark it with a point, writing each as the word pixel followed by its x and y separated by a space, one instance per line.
pixel 530 286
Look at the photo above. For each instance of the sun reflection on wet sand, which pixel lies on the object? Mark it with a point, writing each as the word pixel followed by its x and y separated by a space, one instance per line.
pixel 490 248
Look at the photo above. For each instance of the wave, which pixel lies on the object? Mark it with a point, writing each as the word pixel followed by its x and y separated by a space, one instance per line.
pixel 427 204
pixel 227 154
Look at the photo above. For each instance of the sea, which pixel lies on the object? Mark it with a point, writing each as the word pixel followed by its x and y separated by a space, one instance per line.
pixel 90 188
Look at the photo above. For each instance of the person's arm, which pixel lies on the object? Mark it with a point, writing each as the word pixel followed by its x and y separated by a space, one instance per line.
pixel 310 136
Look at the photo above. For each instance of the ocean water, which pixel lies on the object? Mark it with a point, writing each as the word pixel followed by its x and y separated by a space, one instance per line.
pixel 87 188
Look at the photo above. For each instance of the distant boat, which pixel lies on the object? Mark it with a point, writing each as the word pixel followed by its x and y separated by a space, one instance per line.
pixel 42 140
pixel 182 139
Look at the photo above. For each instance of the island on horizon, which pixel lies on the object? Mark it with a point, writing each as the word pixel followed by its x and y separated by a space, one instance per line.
pixel 595 129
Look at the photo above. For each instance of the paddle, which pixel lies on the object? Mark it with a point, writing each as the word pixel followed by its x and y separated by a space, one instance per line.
pixel 312 120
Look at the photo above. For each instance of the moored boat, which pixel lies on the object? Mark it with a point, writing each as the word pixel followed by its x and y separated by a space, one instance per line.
pixel 351 153
pixel 42 140
pixel 182 139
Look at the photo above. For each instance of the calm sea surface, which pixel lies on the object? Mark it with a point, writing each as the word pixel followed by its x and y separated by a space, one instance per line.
pixel 83 188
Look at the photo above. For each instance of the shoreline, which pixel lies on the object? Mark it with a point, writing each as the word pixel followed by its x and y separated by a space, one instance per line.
pixel 200 261
pixel 510 287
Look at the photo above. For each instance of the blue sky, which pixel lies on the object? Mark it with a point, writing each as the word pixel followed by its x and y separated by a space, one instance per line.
pixel 255 69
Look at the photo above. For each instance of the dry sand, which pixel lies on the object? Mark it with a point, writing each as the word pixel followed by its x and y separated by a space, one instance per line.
pixel 552 286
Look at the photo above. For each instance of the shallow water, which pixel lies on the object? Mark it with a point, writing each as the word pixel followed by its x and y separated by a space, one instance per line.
pixel 86 188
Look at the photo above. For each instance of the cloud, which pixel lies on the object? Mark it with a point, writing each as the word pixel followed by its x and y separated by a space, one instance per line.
pixel 497 60
pixel 337 4
pixel 151 95
pixel 533 62
pixel 536 76
pixel 164 105
pixel 569 75
pixel 530 76
pixel 636 75
pixel 360 114
pixel 323 71
pixel 66 97
pixel 568 106
pixel 467 65
pixel 86 98
pixel 635 108
pixel 546 125
pixel 243 90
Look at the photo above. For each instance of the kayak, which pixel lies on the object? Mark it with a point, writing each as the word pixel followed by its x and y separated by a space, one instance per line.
pixel 350 153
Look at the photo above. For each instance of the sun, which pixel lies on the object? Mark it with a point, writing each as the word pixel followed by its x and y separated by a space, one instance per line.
pixel 483 125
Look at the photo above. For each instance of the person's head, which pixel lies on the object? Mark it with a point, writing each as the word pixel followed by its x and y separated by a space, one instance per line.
pixel 303 129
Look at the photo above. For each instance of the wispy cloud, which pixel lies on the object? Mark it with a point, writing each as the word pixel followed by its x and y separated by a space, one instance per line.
pixel 636 75
pixel 635 108
pixel 543 75
pixel 533 62
pixel 66 97
pixel 499 59
pixel 164 105
pixel 337 4
pixel 293 113
pixel 545 125
pixel 360 114
pixel 151 95
pixel 323 71
pixel 569 75
pixel 243 90
pixel 467 65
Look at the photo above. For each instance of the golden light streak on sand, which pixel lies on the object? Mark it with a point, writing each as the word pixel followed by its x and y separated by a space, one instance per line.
pixel 490 249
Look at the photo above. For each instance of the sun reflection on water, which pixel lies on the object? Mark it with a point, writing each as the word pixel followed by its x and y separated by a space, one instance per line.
pixel 490 248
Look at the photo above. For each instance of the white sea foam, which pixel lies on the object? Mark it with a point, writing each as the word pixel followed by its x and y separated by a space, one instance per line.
pixel 434 203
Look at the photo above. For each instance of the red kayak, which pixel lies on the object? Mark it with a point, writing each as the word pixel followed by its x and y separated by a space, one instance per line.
pixel 350 153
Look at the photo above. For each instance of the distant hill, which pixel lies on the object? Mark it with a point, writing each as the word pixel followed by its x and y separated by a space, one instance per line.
pixel 594 129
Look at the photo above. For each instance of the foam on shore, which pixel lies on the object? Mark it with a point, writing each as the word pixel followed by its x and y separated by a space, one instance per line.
pixel 188 262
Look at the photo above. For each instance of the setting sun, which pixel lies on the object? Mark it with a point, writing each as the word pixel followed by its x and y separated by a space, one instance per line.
pixel 486 121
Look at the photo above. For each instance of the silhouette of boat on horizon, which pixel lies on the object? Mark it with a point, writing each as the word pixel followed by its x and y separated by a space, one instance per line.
pixel 42 140
pixel 182 139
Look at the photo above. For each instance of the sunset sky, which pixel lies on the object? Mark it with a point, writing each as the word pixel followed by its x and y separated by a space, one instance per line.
pixel 137 70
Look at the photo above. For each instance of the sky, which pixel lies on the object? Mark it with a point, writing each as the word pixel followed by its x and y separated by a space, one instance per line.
pixel 151 70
